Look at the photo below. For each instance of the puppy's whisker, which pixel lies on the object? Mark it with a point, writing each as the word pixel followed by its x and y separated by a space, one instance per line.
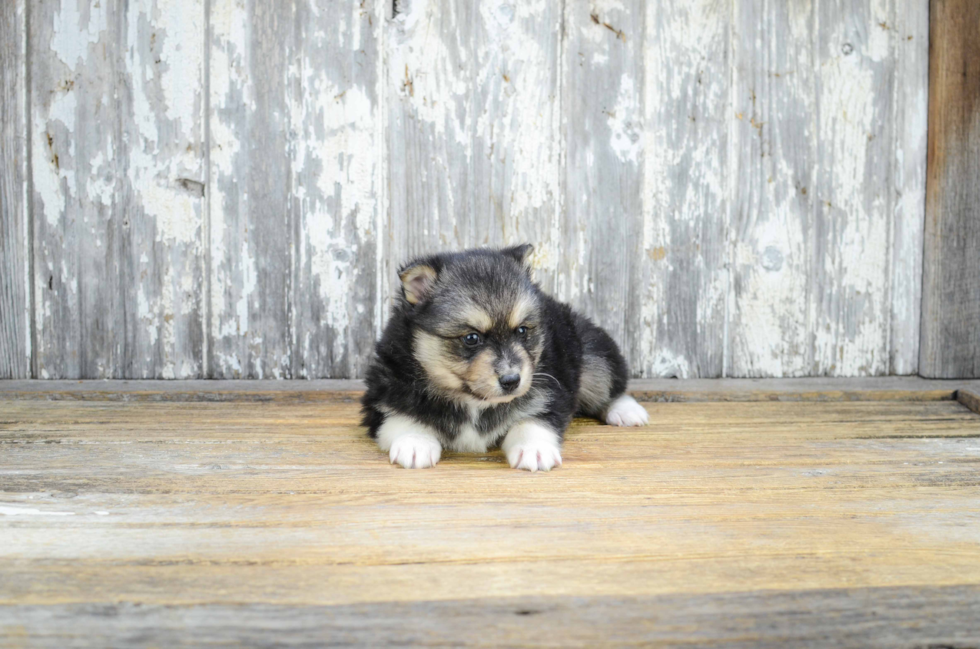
pixel 549 376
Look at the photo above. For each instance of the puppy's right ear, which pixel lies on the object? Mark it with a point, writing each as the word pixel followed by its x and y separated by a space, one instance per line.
pixel 417 281
pixel 521 254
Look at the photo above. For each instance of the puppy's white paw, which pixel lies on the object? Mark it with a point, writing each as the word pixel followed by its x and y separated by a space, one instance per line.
pixel 532 446
pixel 625 411
pixel 414 451
pixel 409 443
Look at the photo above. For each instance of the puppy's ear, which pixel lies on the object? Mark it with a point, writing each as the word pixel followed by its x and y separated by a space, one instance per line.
pixel 521 254
pixel 417 281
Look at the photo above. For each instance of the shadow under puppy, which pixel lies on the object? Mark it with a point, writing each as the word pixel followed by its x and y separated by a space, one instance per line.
pixel 475 355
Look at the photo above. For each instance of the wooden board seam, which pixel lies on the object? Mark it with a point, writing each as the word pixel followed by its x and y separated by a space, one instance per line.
pixel 969 399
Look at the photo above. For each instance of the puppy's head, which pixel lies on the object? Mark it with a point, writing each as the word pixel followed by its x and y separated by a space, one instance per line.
pixel 476 322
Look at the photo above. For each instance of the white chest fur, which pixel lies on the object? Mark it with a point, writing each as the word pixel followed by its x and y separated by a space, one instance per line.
pixel 469 439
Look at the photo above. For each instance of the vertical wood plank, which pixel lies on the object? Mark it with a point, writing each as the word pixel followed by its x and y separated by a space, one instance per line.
pixel 684 266
pixel 118 183
pixel 250 220
pixel 910 99
pixel 950 342
pixel 820 210
pixel 15 327
pixel 850 266
pixel 603 136
pixel 336 155
pixel 473 101
pixel 773 194
pixel 297 201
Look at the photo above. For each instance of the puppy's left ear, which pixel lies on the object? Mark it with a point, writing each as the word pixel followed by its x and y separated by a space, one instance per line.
pixel 417 281
pixel 521 254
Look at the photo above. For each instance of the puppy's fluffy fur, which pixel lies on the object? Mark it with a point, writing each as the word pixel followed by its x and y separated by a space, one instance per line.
pixel 475 355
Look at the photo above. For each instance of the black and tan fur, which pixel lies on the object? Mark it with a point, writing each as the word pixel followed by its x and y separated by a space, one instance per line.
pixel 475 355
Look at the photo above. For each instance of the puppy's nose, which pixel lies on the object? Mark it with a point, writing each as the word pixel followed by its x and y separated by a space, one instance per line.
pixel 510 381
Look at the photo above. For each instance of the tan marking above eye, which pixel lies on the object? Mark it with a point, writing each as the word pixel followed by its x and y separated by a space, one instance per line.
pixel 476 318
pixel 521 310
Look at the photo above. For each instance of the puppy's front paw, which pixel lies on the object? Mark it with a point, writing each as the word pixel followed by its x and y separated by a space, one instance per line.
pixel 415 451
pixel 625 411
pixel 535 457
pixel 532 447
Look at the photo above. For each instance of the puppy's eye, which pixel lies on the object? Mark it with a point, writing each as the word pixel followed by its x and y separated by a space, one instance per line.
pixel 472 339
pixel 521 331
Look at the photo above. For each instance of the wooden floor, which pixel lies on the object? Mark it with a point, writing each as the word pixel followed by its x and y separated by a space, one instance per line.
pixel 276 522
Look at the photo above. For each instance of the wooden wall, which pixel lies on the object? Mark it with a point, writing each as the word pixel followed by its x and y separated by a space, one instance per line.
pixel 951 298
pixel 224 188
pixel 15 306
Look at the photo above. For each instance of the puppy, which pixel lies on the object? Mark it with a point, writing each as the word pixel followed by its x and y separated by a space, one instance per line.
pixel 475 355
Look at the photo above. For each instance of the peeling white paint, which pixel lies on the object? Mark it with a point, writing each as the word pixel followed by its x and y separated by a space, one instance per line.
pixel 625 123
pixel 147 317
pixel 485 112
pixel 182 52
pixel 77 26
pixel 47 177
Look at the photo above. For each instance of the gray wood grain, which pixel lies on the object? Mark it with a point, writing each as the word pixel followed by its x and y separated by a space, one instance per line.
pixel 848 259
pixel 251 225
pixel 824 261
pixel 950 343
pixel 731 189
pixel 473 115
pixel 15 327
pixel 906 616
pixel 773 190
pixel 603 148
pixel 337 195
pixel 910 106
pixel 682 281
pixel 117 169
pixel 297 202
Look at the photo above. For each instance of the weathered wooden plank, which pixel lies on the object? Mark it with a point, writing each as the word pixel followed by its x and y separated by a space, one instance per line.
pixel 772 192
pixel 219 505
pixel 117 168
pixel 950 342
pixel 473 118
pixel 297 200
pixel 251 223
pixel 821 146
pixel 969 398
pixel 910 99
pixel 338 193
pixel 15 322
pixel 855 617
pixel 903 388
pixel 683 288
pixel 603 149
pixel 849 303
